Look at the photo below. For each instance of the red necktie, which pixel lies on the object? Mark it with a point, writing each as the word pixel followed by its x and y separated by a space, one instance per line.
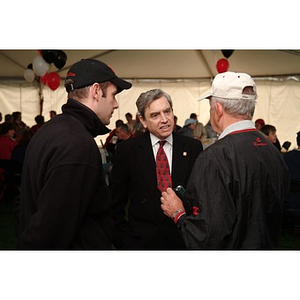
pixel 164 179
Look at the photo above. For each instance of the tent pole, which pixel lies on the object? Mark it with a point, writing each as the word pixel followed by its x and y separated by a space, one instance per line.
pixel 41 96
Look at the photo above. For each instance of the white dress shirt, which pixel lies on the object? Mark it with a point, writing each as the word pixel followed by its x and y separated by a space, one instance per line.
pixel 168 147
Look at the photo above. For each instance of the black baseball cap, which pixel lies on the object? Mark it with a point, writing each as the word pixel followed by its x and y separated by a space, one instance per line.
pixel 88 71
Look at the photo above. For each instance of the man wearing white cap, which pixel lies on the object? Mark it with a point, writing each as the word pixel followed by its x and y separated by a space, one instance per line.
pixel 239 184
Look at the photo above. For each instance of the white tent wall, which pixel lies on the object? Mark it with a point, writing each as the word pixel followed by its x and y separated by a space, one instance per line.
pixel 25 98
pixel 278 102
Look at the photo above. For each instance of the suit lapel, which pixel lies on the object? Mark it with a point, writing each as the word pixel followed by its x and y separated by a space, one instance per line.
pixel 181 155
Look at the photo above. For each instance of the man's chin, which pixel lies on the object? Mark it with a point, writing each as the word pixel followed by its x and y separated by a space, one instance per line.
pixel 165 134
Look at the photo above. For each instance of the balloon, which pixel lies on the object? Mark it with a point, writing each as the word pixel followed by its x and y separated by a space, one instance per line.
pixel 227 53
pixel 44 79
pixel 60 59
pixel 29 66
pixel 53 80
pixel 49 55
pixel 222 65
pixel 29 75
pixel 40 67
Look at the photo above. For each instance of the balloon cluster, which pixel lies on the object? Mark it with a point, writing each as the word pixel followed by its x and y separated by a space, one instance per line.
pixel 223 64
pixel 41 64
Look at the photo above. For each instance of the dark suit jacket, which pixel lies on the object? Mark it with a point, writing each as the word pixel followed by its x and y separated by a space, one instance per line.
pixel 138 219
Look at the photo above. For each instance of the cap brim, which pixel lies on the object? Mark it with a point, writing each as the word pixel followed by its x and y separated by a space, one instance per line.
pixel 121 84
pixel 206 96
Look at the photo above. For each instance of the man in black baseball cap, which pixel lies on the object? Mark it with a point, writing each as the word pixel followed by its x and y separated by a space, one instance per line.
pixel 65 202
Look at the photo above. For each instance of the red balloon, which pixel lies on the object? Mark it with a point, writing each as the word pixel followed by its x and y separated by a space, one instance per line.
pixel 222 65
pixel 43 79
pixel 53 80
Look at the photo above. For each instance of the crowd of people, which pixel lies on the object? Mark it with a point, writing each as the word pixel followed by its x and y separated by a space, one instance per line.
pixel 232 194
pixel 15 136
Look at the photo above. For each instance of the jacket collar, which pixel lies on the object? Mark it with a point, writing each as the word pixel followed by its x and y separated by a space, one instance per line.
pixel 85 116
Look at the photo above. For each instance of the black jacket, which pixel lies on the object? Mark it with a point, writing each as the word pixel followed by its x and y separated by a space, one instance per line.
pixel 239 184
pixel 134 185
pixel 65 202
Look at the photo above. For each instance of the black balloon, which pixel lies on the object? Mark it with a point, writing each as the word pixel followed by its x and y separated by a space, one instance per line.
pixel 49 55
pixel 61 59
pixel 227 53
pixel 30 66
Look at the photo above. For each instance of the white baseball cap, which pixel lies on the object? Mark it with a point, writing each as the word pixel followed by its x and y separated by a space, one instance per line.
pixel 230 85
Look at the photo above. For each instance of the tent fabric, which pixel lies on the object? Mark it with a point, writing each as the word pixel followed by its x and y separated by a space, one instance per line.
pixel 278 102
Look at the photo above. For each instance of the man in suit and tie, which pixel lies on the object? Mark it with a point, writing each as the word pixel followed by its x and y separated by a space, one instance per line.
pixel 136 186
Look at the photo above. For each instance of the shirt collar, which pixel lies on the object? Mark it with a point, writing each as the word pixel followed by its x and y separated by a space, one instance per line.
pixel 241 125
pixel 155 139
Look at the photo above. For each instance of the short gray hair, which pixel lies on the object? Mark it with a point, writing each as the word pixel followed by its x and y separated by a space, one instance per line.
pixel 146 98
pixel 237 108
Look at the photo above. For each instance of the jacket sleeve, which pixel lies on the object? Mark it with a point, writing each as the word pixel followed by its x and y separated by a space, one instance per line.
pixel 208 192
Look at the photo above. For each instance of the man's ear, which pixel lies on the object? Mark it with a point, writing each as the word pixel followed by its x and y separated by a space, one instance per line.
pixel 219 110
pixel 96 91
pixel 142 120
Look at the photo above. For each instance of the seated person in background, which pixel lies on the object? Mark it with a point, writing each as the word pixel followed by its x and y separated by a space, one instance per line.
pixel 111 141
pixel 138 127
pixel 7 142
pixel 8 118
pixel 270 132
pixel 40 121
pixel 285 146
pixel 130 121
pixel 188 128
pixel 52 113
pixel 259 123
pixel 176 126
pixel 7 145
pixel 20 126
pixel 18 153
pixel 123 133
pixel 200 130
pixel 210 132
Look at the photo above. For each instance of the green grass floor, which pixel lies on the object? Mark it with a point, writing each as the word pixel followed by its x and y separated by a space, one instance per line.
pixel 289 240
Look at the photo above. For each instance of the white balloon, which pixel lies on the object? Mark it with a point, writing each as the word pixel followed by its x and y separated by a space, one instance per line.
pixel 29 75
pixel 40 67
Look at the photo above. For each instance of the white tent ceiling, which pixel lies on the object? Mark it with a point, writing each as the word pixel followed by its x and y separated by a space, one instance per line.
pixel 164 64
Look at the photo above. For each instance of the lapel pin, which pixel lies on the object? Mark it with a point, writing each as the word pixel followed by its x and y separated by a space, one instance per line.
pixel 184 154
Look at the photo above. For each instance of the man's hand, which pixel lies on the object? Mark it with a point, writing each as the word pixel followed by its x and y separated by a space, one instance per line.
pixel 170 203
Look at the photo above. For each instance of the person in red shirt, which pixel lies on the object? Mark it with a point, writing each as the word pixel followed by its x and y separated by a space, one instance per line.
pixel 7 145
pixel 40 121
pixel 7 142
